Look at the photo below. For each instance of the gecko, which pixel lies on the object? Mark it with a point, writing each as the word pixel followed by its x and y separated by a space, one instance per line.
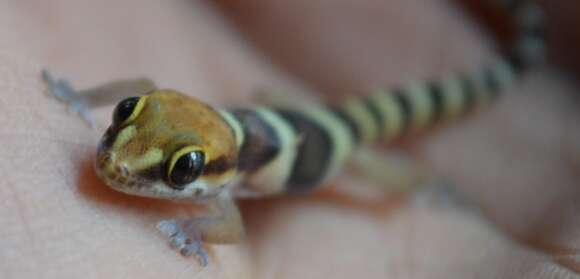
pixel 165 144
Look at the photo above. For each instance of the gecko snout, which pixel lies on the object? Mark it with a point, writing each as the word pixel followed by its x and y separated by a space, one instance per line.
pixel 107 166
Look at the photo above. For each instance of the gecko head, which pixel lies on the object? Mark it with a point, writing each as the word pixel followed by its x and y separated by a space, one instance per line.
pixel 167 145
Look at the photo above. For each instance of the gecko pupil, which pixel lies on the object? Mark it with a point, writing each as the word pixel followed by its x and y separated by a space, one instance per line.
pixel 124 109
pixel 186 169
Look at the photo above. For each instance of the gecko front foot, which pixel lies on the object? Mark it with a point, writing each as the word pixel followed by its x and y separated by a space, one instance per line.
pixel 61 90
pixel 184 237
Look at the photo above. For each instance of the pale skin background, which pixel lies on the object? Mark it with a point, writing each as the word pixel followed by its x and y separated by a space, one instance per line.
pixel 518 161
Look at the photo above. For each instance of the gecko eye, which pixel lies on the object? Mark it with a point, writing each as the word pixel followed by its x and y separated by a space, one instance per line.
pixel 127 109
pixel 184 167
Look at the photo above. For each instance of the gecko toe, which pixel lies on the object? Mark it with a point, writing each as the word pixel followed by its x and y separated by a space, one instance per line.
pixel 168 228
pixel 195 249
pixel 178 241
pixel 184 238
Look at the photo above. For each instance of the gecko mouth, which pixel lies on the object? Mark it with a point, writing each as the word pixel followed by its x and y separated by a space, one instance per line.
pixel 114 175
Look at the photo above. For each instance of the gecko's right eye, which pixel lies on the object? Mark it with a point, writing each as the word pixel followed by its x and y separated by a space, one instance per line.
pixel 185 166
pixel 127 110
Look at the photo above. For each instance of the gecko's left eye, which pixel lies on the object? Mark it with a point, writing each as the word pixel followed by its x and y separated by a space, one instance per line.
pixel 128 109
pixel 184 167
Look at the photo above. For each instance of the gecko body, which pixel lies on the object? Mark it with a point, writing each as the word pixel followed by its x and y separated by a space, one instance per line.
pixel 169 145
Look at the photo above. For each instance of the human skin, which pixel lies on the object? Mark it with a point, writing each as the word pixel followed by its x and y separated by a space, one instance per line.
pixel 515 166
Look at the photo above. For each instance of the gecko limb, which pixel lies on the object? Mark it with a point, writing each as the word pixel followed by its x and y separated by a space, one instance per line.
pixel 184 237
pixel 62 90
pixel 82 101
pixel 222 224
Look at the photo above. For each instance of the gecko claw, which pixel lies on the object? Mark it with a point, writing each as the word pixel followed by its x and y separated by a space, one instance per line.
pixel 195 248
pixel 184 238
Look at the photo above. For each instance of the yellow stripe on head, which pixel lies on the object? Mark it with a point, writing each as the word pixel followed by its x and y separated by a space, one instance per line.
pixel 152 157
pixel 136 110
pixel 124 136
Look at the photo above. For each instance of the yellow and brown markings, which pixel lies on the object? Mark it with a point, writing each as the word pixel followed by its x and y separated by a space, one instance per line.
pixel 363 115
pixel 268 151
pixel 390 110
pixel 325 142
pixel 167 122
pixel 387 114
pixel 353 126
pixel 291 149
pixel 261 142
pixel 313 154
pixel 301 146
pixel 235 125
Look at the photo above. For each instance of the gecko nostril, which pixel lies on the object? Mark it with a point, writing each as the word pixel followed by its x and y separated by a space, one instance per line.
pixel 106 158
pixel 197 192
pixel 122 170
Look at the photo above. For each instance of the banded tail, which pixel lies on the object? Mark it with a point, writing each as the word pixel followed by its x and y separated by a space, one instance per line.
pixel 295 149
pixel 387 114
